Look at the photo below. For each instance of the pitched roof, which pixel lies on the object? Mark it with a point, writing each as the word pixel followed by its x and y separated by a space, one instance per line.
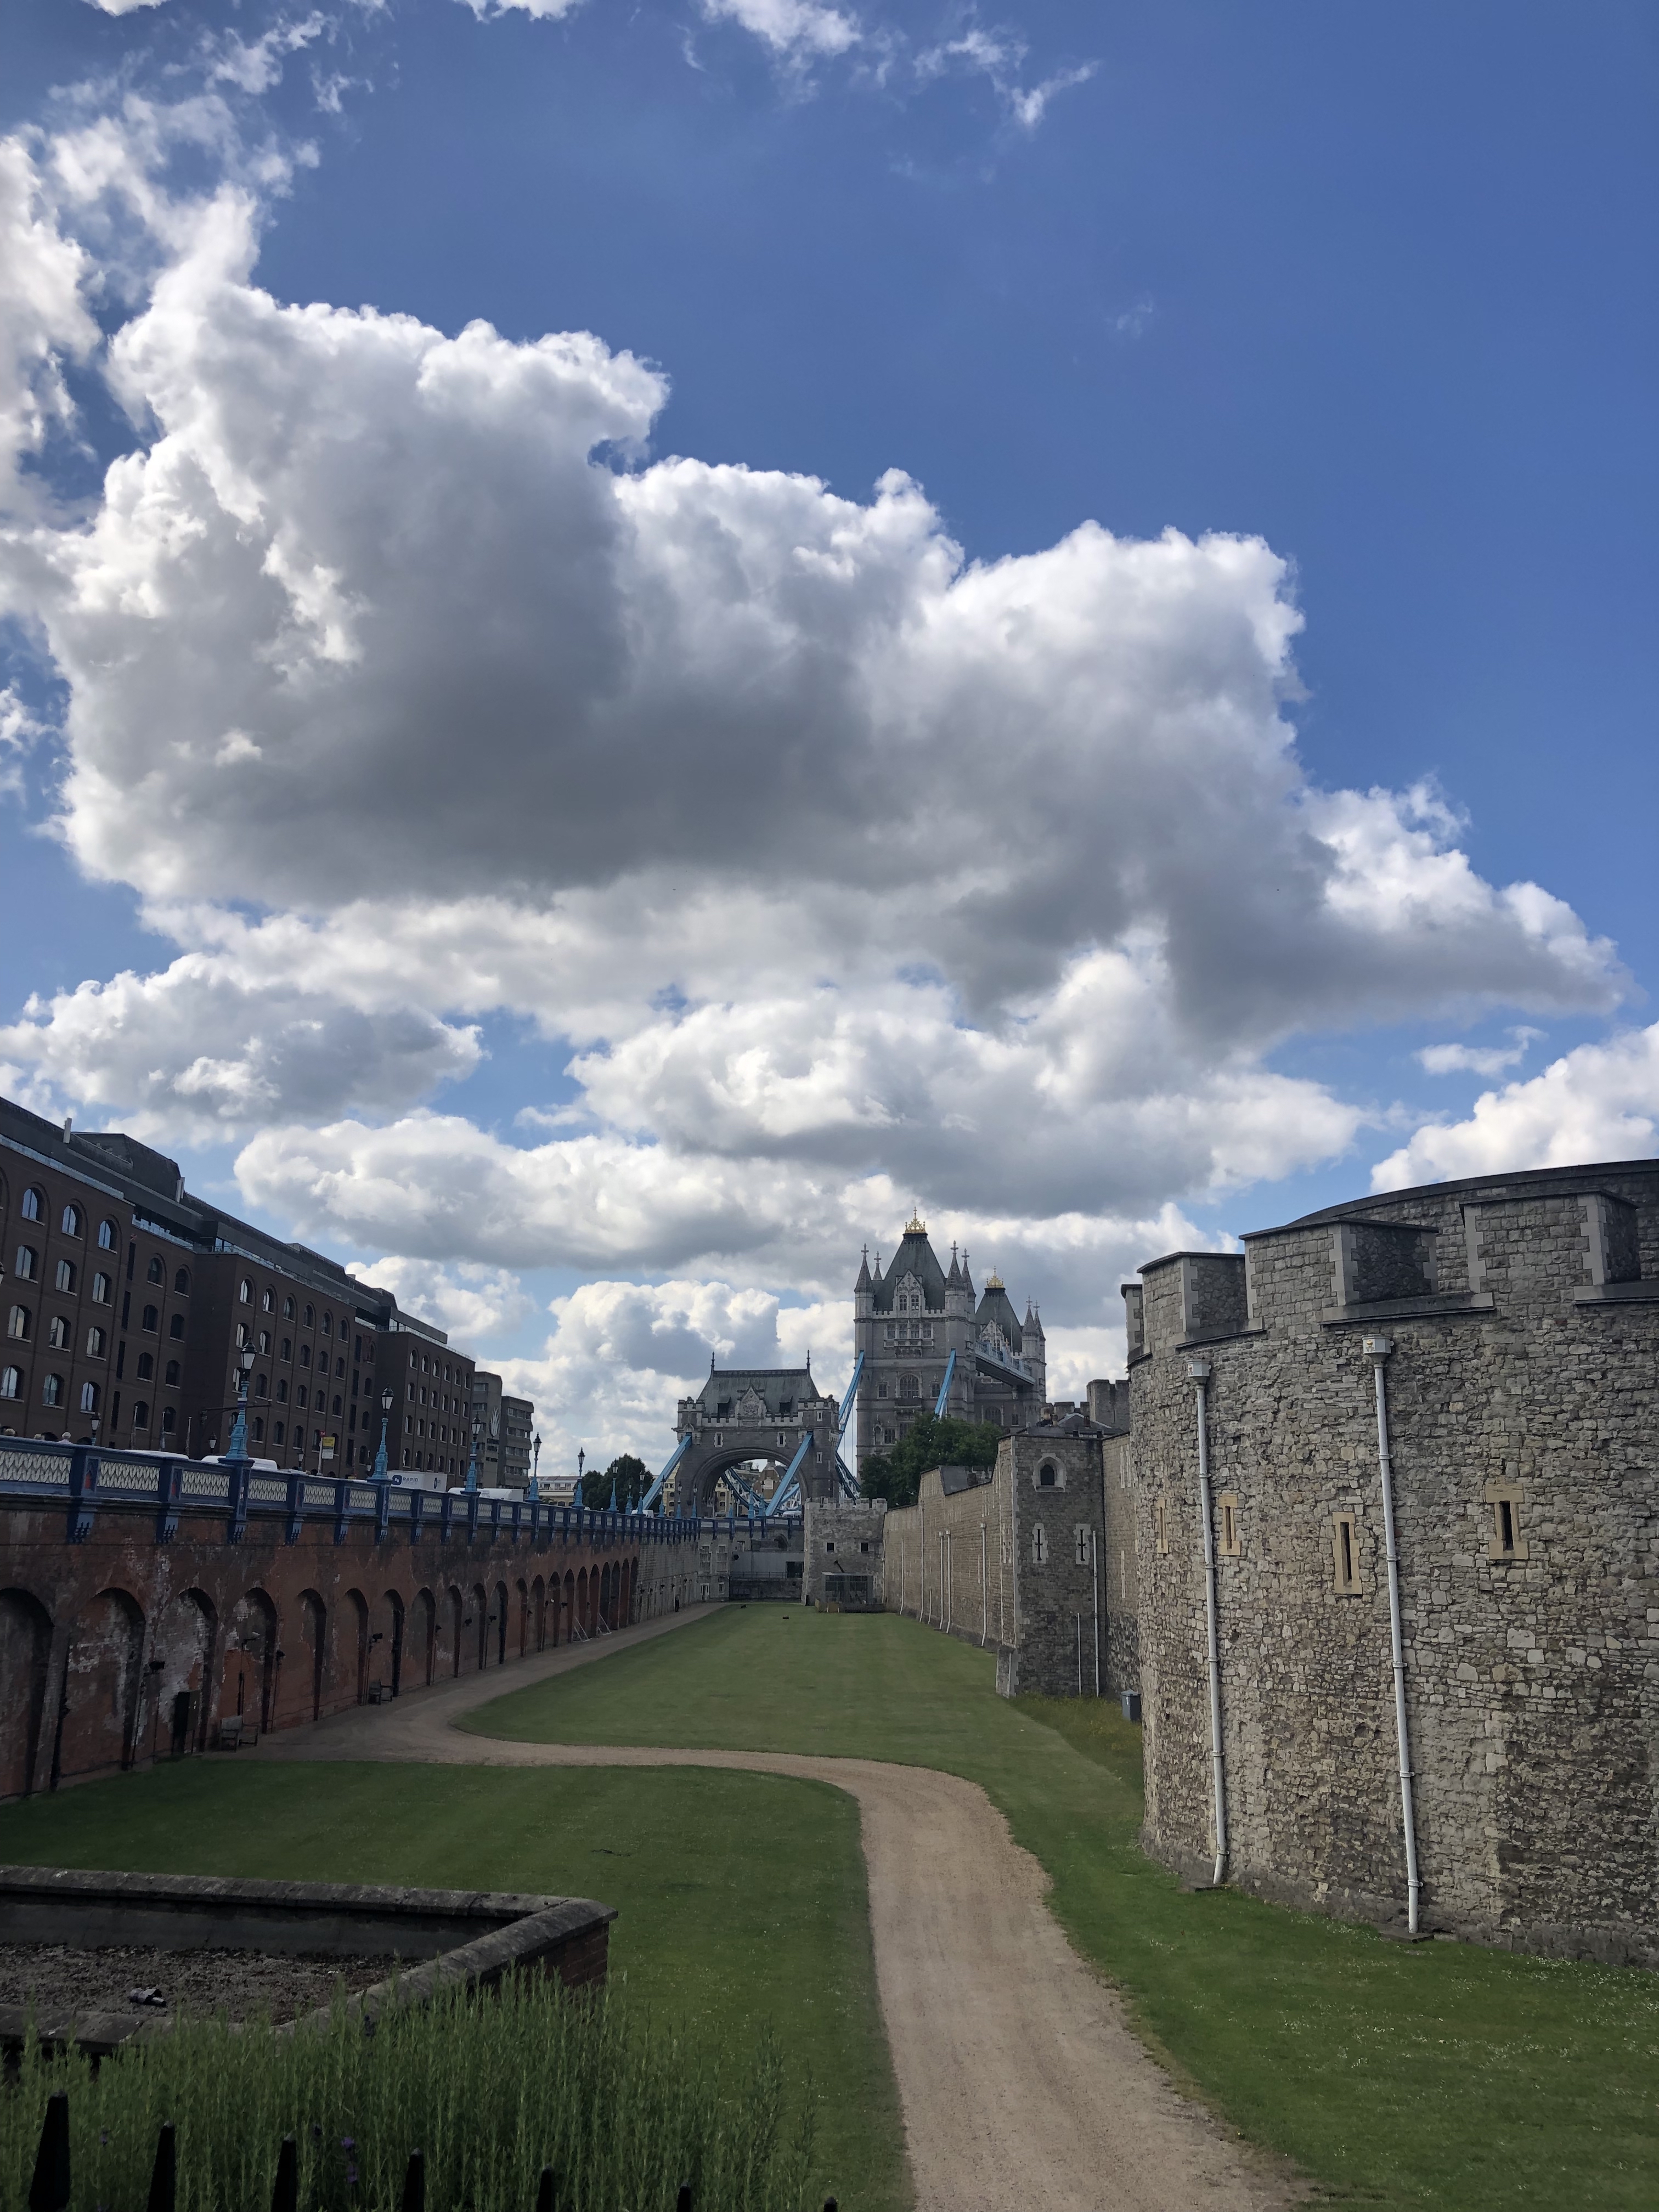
pixel 914 1257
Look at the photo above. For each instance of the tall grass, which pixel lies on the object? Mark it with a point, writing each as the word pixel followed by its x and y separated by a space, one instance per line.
pixel 492 2087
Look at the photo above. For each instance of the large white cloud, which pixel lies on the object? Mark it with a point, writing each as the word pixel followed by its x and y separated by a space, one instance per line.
pixel 850 869
pixel 1599 1102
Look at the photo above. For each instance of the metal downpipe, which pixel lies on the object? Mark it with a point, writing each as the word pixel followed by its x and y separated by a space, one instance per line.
pixel 1200 1371
pixel 1378 1349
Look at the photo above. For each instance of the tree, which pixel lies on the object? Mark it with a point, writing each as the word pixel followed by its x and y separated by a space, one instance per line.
pixel 629 1477
pixel 896 1475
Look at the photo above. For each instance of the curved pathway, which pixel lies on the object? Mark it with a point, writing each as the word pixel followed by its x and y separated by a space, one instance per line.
pixel 1023 2087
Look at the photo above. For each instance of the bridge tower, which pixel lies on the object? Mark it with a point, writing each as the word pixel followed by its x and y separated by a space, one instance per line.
pixel 743 1414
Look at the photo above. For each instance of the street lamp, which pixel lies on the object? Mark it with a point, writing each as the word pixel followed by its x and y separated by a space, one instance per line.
pixel 472 1464
pixel 535 1469
pixel 239 1426
pixel 379 1472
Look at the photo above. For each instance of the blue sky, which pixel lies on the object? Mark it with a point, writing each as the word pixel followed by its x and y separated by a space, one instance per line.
pixel 648 937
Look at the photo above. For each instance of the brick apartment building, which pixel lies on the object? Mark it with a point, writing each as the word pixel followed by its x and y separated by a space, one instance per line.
pixel 126 1303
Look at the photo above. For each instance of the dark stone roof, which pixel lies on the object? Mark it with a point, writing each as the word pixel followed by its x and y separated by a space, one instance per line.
pixel 995 1305
pixel 914 1257
pixel 775 1385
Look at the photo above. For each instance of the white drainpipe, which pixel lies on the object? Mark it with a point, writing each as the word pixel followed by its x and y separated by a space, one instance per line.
pixel 1378 1349
pixel 1199 1370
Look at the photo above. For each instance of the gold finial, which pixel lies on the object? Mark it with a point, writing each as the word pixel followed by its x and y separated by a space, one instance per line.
pixel 915 1226
pixel 995 1282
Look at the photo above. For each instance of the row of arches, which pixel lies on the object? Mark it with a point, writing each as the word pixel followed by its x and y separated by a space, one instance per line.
pixel 115 1685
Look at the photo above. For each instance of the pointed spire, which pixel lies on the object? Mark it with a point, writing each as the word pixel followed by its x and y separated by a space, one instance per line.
pixel 863 1282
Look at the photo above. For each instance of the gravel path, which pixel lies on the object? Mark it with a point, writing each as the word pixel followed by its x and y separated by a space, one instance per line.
pixel 1022 2084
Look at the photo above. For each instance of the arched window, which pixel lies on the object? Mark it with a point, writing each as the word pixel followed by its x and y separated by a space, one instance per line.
pixel 17 1322
pixel 909 1387
pixel 246 1292
pixel 57 1332
pixel 282 1390
pixel 287 1309
pixel 336 1406
pixel 310 1316
pixel 141 1415
pixel 89 1397
pixel 146 1367
pixel 100 1290
pixel 304 1355
pixel 25 1263
pixel 66 1276
pixel 172 1375
pixel 176 1327
pixel 11 1382
pixel 71 1221
pixel 181 1282
pixel 155 1272
pixel 95 1342
pixel 52 1390
pixel 261 1386
pixel 108 1233
pixel 328 1324
pixel 267 1300
pixel 169 1419
pixel 152 1319
pixel 241 1336
pixel 34 1208
pixel 1046 1475
pixel 288 1347
pixel 259 1430
pixel 277 1434
pixel 301 1397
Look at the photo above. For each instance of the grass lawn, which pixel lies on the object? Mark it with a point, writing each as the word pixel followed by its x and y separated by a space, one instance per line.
pixel 741 1896
pixel 1436 2074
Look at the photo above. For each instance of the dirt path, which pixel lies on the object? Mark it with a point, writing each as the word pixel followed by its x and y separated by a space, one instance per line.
pixel 1023 2089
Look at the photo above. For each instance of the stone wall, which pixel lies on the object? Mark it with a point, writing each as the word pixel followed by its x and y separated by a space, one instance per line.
pixel 844 1550
pixel 1520 1390
pixel 1036 1560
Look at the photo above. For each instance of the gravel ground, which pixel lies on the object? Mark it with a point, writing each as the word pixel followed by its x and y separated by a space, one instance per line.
pixel 60 1978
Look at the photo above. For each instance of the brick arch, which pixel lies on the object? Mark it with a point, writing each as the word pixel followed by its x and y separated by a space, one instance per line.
pixel 25 1651
pixel 250 1669
pixel 351 1644
pixel 300 1678
pixel 538 1612
pixel 421 1656
pixel 186 1683
pixel 457 1612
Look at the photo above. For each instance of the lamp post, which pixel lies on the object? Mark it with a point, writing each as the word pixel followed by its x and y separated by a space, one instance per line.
pixel 535 1469
pixel 378 1473
pixel 472 1464
pixel 238 1449
pixel 581 1461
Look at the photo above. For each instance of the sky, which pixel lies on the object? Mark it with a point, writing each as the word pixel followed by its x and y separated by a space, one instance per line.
pixel 635 637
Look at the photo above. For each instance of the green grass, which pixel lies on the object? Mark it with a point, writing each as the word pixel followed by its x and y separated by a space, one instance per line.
pixel 493 2087
pixel 741 1898
pixel 1430 2076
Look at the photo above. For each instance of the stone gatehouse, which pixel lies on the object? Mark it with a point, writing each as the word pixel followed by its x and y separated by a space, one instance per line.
pixel 1512 1327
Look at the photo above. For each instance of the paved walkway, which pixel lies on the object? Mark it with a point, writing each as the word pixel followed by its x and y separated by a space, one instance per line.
pixel 1023 2089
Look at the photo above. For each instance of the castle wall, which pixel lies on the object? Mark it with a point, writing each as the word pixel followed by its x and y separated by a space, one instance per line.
pixel 1522 1379
pixel 844 1555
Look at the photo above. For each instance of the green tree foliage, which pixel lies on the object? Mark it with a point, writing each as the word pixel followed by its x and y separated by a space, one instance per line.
pixel 928 1443
pixel 631 1478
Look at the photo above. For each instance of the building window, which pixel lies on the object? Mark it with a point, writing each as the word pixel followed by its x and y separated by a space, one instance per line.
pixel 17 1322
pixel 1227 1507
pixel 146 1367
pixel 288 1347
pixel 34 1208
pixel 57 1332
pixel 282 1390
pixel 95 1342
pixel 176 1328
pixel 267 1300
pixel 310 1316
pixel 909 1387
pixel 258 1431
pixel 89 1397
pixel 1039 1546
pixel 152 1319
pixel 100 1290
pixel 265 1342
pixel 11 1382
pixel 1048 1477
pixel 71 1221
pixel 181 1282
pixel 245 1291
pixel 108 1233
pixel 66 1276
pixel 287 1309
pixel 336 1406
pixel 304 1355
pixel 328 1324
pixel 172 1376
pixel 1505 1541
pixel 261 1387
pixel 169 1419
pixel 277 1434
pixel 52 1390
pixel 299 1396
pixel 155 1272
pixel 1161 1525
pixel 141 1415
pixel 25 1264
pixel 1345 1554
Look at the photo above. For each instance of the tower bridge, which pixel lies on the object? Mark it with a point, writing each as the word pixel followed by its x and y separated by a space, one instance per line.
pixel 776 1419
